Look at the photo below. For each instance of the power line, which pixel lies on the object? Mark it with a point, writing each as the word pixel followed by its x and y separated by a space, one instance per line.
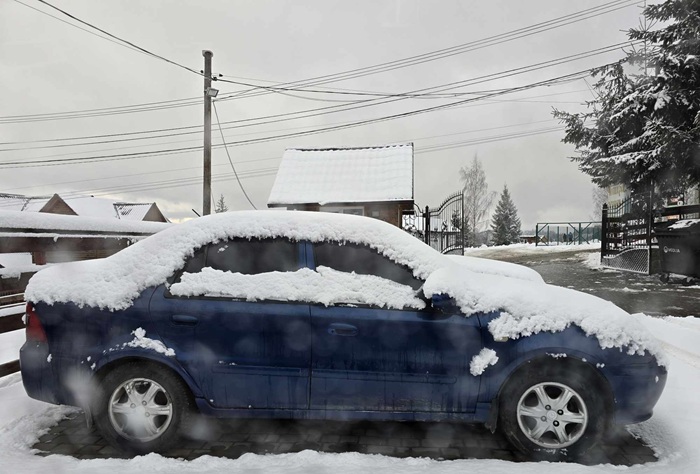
pixel 581 15
pixel 157 56
pixel 53 161
pixel 179 182
pixel 365 103
pixel 439 54
pixel 218 122
pixel 49 140
pixel 76 26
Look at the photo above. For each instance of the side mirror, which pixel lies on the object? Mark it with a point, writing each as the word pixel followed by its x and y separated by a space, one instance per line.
pixel 444 303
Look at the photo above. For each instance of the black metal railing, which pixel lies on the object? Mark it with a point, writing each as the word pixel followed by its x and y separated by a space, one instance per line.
pixel 567 233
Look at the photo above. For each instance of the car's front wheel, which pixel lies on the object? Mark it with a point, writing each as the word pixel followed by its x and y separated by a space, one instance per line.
pixel 554 415
pixel 141 408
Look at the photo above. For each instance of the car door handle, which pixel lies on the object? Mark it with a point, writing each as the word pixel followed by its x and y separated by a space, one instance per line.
pixel 184 319
pixel 340 329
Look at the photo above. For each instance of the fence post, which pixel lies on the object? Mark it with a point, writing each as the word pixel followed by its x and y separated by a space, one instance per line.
pixel 426 219
pixel 579 233
pixel 537 235
pixel 604 231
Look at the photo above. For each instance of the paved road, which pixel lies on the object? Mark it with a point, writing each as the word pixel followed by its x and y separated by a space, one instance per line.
pixel 435 440
pixel 232 439
pixel 632 292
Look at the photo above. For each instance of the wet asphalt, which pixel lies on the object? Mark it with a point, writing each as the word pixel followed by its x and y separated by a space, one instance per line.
pixel 635 293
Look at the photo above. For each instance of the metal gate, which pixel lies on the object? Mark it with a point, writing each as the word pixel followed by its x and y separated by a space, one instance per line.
pixel 441 227
pixel 627 235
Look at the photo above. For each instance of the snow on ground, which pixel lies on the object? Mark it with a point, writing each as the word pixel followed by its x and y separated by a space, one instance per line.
pixel 671 432
pixel 526 249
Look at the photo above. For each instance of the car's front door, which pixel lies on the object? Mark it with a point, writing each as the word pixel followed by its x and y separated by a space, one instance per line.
pixel 243 354
pixel 372 358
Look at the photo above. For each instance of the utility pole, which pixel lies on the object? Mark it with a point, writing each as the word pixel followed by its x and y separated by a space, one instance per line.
pixel 206 196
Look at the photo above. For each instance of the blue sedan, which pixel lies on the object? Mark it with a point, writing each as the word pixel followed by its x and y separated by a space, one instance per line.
pixel 301 315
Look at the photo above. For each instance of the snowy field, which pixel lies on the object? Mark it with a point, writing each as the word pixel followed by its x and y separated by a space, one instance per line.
pixel 671 432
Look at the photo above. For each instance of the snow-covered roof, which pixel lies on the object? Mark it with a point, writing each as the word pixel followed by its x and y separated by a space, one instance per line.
pixel 47 222
pixel 89 206
pixel 132 211
pixel 527 305
pixel 86 206
pixel 340 175
pixel 18 202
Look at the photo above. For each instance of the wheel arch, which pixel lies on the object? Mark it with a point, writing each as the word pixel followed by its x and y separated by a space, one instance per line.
pixel 543 362
pixel 167 363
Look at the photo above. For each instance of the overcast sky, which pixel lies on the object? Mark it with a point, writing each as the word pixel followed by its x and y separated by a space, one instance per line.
pixel 48 66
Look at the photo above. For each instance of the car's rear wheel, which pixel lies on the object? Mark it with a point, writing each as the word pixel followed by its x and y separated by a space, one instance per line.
pixel 141 408
pixel 555 415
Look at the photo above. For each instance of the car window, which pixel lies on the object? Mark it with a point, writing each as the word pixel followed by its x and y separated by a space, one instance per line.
pixel 254 256
pixel 363 260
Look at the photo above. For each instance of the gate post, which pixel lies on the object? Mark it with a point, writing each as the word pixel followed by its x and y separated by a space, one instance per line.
pixel 426 220
pixel 604 231
pixel 579 233
pixel 537 235
pixel 461 205
pixel 650 227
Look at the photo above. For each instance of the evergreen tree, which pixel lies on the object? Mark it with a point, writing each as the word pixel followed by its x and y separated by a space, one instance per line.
pixel 643 130
pixel 505 222
pixel 220 205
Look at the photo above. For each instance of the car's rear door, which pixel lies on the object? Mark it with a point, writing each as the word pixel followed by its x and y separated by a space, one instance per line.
pixel 370 358
pixel 243 354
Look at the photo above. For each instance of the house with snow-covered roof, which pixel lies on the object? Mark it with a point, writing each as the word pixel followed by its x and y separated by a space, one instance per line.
pixel 86 206
pixel 374 181
pixel 89 206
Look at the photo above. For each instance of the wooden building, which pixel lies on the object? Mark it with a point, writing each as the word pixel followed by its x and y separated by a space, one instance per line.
pixel 369 181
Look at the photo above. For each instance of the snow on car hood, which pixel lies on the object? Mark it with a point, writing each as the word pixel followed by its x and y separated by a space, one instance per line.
pixel 529 307
pixel 496 267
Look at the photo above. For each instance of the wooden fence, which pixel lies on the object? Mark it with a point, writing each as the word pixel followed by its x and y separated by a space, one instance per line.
pixel 11 319
pixel 56 238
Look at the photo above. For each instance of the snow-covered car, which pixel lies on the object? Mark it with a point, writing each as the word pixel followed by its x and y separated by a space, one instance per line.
pixel 327 316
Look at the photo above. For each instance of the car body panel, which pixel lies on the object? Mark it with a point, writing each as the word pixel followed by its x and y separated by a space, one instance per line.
pixel 306 360
pixel 396 360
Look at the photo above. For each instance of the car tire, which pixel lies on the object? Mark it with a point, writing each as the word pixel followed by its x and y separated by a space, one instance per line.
pixel 141 408
pixel 553 413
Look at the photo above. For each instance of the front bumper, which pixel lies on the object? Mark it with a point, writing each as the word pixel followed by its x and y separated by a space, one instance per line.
pixel 637 388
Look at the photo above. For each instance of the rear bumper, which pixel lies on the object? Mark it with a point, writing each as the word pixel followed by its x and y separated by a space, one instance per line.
pixel 37 374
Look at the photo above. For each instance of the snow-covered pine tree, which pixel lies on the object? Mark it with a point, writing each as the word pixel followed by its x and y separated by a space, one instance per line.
pixel 220 205
pixel 643 129
pixel 505 223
